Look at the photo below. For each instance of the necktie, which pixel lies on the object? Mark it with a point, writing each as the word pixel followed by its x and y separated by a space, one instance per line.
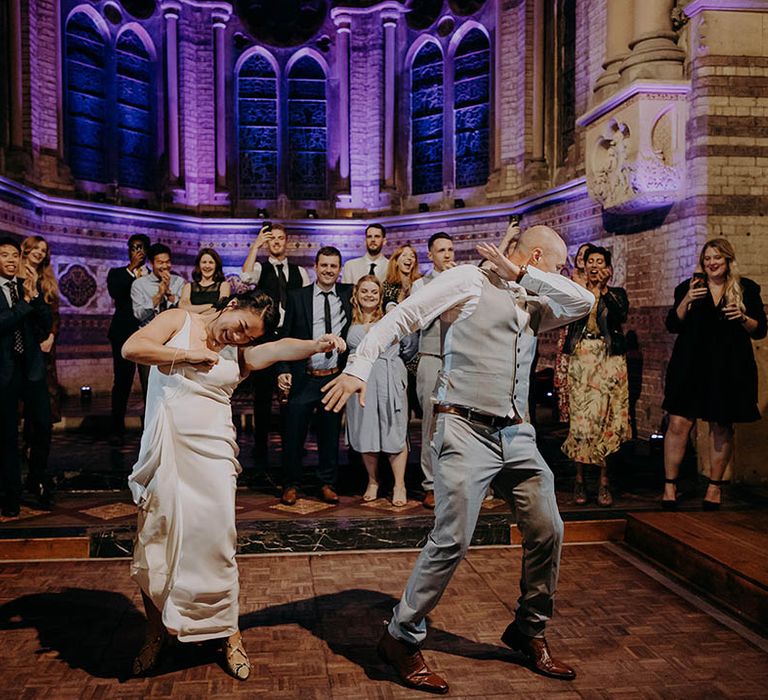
pixel 18 340
pixel 282 284
pixel 372 271
pixel 327 317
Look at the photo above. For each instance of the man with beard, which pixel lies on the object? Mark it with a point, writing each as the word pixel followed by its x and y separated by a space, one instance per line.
pixel 373 262
pixel 276 276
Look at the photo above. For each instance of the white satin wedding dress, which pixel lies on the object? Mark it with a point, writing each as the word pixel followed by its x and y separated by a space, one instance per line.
pixel 184 485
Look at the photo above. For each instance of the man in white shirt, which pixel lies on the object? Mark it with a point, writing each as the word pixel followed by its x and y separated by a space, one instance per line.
pixel 373 262
pixel 277 276
pixel 154 293
pixel 440 251
pixel 490 320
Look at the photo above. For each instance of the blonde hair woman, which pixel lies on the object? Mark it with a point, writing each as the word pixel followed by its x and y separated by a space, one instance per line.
pixel 712 375
pixel 381 426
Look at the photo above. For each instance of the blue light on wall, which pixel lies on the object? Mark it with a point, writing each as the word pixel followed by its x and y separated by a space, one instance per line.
pixel 257 129
pixel 307 130
pixel 472 90
pixel 135 113
pixel 427 120
pixel 86 98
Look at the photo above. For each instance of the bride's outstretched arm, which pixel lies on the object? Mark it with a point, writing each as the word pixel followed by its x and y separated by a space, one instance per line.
pixel 147 346
pixel 289 350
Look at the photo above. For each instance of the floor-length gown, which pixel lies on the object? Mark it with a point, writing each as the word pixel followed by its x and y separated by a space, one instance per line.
pixel 184 485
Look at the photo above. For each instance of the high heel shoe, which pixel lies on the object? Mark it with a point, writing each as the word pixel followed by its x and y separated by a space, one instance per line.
pixel 371 493
pixel 713 505
pixel 149 654
pixel 399 497
pixel 666 503
pixel 236 661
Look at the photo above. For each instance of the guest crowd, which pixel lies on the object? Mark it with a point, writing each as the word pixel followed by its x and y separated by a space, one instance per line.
pixel 711 377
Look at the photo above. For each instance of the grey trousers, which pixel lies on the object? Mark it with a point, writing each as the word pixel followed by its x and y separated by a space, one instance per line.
pixel 469 457
pixel 426 378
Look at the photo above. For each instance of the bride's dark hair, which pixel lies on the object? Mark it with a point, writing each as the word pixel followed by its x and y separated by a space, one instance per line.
pixel 260 302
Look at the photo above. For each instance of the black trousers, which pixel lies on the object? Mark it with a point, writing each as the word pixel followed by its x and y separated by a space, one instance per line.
pixel 123 371
pixel 37 410
pixel 263 382
pixel 304 402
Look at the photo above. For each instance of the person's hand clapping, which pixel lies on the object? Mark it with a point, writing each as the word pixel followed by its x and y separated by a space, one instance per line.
pixel 330 342
pixel 284 382
pixel 338 391
pixel 30 285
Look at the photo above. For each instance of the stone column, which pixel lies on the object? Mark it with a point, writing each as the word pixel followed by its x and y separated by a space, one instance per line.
pixel 220 18
pixel 537 99
pixel 343 27
pixel 655 54
pixel 171 13
pixel 17 83
pixel 390 40
pixel 618 34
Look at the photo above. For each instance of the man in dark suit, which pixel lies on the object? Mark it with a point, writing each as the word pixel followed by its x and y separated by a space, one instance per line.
pixel 25 320
pixel 276 276
pixel 123 325
pixel 324 307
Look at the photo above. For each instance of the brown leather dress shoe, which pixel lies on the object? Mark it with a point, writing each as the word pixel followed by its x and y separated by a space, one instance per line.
pixel 328 494
pixel 289 496
pixel 429 500
pixel 407 660
pixel 536 650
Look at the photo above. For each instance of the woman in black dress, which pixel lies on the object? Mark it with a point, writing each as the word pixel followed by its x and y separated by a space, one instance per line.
pixel 208 284
pixel 712 374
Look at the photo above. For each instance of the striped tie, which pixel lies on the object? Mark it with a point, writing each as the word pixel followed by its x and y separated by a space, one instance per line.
pixel 18 340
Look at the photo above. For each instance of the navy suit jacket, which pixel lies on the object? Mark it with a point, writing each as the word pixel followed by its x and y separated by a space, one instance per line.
pixel 34 320
pixel 298 321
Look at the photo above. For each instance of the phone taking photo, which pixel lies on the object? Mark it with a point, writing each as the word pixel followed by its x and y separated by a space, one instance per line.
pixel 699 279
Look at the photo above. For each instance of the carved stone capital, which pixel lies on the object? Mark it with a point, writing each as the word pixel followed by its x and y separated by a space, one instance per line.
pixel 635 148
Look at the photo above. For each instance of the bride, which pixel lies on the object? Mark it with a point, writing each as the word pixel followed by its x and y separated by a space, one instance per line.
pixel 185 478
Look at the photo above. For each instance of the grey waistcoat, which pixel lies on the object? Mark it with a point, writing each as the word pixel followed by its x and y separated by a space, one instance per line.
pixel 487 356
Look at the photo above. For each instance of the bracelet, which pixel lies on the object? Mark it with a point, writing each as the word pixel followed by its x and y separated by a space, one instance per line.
pixel 522 273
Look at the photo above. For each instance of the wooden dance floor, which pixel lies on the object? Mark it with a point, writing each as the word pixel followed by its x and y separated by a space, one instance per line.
pixel 311 622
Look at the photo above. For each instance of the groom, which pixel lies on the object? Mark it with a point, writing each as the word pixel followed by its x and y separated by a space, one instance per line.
pixel 490 320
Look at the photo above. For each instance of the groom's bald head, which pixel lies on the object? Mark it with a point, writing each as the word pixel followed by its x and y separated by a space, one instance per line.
pixel 541 247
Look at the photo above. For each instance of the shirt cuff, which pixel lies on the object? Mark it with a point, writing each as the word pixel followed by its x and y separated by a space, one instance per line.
pixel 359 367
pixel 531 280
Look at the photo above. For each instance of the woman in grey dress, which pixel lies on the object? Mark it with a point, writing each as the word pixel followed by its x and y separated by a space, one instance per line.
pixel 382 424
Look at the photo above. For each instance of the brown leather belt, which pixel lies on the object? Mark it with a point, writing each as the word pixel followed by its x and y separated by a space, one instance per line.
pixel 322 372
pixel 475 416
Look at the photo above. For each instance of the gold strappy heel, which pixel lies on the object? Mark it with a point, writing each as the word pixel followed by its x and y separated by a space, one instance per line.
pixel 236 661
pixel 149 654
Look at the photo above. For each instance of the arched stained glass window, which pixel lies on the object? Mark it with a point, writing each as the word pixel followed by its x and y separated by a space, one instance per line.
pixel 86 98
pixel 135 114
pixel 427 120
pixel 307 130
pixel 257 128
pixel 471 105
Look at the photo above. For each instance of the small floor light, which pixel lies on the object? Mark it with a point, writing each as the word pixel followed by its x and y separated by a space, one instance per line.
pixel 458 203
pixel 262 213
pixel 85 394
pixel 311 213
pixel 423 207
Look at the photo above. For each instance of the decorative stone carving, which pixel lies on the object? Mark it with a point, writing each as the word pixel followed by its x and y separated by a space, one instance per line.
pixel 77 285
pixel 635 144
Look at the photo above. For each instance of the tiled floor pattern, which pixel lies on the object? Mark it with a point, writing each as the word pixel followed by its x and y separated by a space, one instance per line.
pixel 310 623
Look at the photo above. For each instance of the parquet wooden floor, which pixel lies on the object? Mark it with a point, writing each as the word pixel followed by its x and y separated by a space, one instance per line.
pixel 69 630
